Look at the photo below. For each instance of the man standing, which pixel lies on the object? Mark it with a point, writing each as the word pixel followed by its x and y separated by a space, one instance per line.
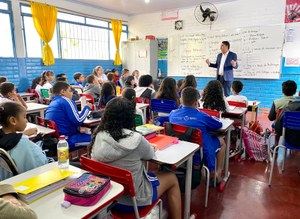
pixel 226 62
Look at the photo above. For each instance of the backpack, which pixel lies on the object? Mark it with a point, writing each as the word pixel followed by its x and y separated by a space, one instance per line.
pixel 255 145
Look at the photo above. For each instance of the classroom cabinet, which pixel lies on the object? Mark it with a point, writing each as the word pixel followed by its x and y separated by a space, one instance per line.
pixel 140 55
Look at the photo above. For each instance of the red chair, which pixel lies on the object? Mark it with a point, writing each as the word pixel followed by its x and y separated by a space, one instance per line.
pixel 49 124
pixel 90 99
pixel 123 177
pixel 214 113
pixel 237 104
pixel 196 138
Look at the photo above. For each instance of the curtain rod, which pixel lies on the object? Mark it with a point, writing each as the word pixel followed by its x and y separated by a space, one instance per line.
pixel 78 13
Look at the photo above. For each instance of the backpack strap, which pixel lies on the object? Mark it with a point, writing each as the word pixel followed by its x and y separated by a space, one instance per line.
pixel 186 136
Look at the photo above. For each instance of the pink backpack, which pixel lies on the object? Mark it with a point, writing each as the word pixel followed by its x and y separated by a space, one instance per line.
pixel 87 189
pixel 255 145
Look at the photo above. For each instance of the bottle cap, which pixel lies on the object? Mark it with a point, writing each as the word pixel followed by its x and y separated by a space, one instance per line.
pixel 62 137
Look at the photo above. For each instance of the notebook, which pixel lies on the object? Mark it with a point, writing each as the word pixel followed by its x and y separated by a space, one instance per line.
pixel 163 141
pixel 36 187
pixel 144 130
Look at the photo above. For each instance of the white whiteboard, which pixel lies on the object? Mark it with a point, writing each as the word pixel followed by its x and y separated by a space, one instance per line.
pixel 258 49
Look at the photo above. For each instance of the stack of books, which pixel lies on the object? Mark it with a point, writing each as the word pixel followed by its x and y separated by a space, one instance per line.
pixel 38 186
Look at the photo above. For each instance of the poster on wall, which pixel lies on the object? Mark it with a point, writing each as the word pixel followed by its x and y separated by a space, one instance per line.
pixel 292 11
pixel 162 49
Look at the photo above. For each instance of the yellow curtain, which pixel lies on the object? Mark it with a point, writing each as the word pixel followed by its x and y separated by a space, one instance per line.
pixel 117 31
pixel 44 19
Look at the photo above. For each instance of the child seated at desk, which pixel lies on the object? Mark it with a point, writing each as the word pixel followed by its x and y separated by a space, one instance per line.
pixel 48 78
pixel 236 88
pixel 8 94
pixel 189 81
pixel 79 79
pixel 189 115
pixel 26 154
pixel 146 87
pixel 92 87
pixel 115 142
pixel 63 111
pixel 213 97
pixel 108 92
pixel 130 95
pixel 11 207
pixel 289 88
pixel 98 73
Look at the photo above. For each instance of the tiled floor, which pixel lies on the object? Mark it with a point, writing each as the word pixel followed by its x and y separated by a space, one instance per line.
pixel 247 194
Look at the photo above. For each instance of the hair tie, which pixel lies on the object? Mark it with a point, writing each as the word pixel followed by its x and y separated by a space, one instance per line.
pixel 1 108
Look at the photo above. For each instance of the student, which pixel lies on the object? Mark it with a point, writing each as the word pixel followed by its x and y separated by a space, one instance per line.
pixel 37 86
pixel 48 78
pixel 115 142
pixel 108 92
pixel 189 81
pixel 213 97
pixel 125 74
pixel 167 90
pixel 26 154
pixel 3 79
pixel 92 87
pixel 116 75
pixel 179 84
pixel 8 94
pixel 79 79
pixel 236 88
pixel 98 72
pixel 110 76
pixel 130 95
pixel 11 207
pixel 189 115
pixel 289 88
pixel 145 88
pixel 136 75
pixel 63 77
pixel 63 111
pixel 129 82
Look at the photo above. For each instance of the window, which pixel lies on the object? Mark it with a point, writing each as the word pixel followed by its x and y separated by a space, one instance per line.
pixel 32 39
pixel 75 37
pixel 6 42
pixel 124 37
pixel 83 42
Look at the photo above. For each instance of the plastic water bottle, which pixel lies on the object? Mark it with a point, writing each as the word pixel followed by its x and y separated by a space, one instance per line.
pixel 63 152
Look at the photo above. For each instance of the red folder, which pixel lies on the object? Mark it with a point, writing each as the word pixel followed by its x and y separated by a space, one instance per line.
pixel 162 141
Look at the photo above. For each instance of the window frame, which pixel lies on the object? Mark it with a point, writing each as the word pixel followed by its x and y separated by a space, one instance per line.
pixel 12 27
pixel 59 41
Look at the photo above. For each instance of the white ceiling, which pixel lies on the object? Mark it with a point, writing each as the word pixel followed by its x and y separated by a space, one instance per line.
pixel 130 7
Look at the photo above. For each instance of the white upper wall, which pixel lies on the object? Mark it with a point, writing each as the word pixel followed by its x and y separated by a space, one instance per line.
pixel 241 13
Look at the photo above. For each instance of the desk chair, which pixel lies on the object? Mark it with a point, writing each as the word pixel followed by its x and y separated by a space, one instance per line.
pixel 161 106
pixel 179 131
pixel 147 101
pixel 51 124
pixel 290 129
pixel 8 163
pixel 77 88
pixel 214 113
pixel 123 177
pixel 45 96
pixel 90 99
pixel 138 120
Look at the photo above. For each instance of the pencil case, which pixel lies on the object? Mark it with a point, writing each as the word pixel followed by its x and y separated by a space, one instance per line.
pixel 87 189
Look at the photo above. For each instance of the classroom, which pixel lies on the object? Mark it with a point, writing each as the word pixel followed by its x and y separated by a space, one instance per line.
pixel 166 41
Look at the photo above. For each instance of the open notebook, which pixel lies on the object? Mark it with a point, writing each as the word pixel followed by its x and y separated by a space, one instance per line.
pixel 162 141
pixel 37 186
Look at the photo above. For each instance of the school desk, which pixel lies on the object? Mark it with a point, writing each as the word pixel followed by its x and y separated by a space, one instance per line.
pixel 40 129
pixel 36 108
pixel 143 107
pixel 176 154
pixel 49 206
pixel 26 96
pixel 91 122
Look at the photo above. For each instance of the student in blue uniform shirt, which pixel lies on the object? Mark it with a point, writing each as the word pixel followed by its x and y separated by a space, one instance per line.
pixel 189 115
pixel 63 111
pixel 79 79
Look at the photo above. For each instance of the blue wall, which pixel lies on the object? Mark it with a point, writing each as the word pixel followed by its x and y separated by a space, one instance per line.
pixel 21 71
pixel 263 90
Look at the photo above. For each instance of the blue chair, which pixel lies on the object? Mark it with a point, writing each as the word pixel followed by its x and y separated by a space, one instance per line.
pixel 290 132
pixel 161 106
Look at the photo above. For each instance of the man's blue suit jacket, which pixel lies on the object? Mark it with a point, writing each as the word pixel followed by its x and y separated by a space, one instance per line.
pixel 228 69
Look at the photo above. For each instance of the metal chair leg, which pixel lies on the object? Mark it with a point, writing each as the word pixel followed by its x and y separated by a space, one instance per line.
pixel 284 156
pixel 207 184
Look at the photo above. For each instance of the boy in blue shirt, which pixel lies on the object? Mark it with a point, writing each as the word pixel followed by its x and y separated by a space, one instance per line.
pixel 189 115
pixel 63 111
pixel 79 79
